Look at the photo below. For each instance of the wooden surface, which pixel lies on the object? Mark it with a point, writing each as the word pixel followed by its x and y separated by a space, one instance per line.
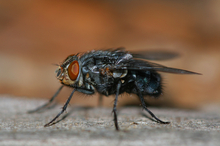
pixel 94 126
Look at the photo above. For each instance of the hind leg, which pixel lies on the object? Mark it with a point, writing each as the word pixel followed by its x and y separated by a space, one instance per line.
pixel 146 109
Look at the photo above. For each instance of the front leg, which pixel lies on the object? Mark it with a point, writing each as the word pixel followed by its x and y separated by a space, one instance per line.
pixel 115 105
pixel 85 91
pixel 48 103
pixel 63 109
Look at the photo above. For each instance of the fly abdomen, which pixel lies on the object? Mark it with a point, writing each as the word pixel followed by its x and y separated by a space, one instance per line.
pixel 154 86
pixel 148 82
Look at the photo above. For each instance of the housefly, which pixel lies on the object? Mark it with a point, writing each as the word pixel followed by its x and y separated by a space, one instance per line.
pixel 113 72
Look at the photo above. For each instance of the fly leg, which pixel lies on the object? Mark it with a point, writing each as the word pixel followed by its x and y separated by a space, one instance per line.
pixel 48 103
pixel 115 105
pixel 100 102
pixel 145 108
pixel 63 109
pixel 152 115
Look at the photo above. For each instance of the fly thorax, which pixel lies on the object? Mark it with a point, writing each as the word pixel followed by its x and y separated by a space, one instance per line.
pixel 119 73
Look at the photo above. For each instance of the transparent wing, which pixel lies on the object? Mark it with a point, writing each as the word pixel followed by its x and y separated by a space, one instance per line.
pixel 119 49
pixel 147 54
pixel 146 65
pixel 155 55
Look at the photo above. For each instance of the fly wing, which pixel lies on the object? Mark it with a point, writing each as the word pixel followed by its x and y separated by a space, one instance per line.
pixel 147 54
pixel 119 49
pixel 155 55
pixel 134 64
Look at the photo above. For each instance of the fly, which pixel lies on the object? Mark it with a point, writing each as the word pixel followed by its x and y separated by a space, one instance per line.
pixel 113 72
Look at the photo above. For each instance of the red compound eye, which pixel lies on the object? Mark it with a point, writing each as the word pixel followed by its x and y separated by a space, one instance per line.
pixel 73 70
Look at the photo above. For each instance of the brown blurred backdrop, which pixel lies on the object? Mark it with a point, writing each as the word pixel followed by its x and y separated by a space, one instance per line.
pixel 36 34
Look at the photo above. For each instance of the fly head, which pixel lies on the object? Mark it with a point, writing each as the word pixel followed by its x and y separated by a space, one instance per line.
pixel 69 71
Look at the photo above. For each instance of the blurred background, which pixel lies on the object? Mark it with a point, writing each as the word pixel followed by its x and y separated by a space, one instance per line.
pixel 36 34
